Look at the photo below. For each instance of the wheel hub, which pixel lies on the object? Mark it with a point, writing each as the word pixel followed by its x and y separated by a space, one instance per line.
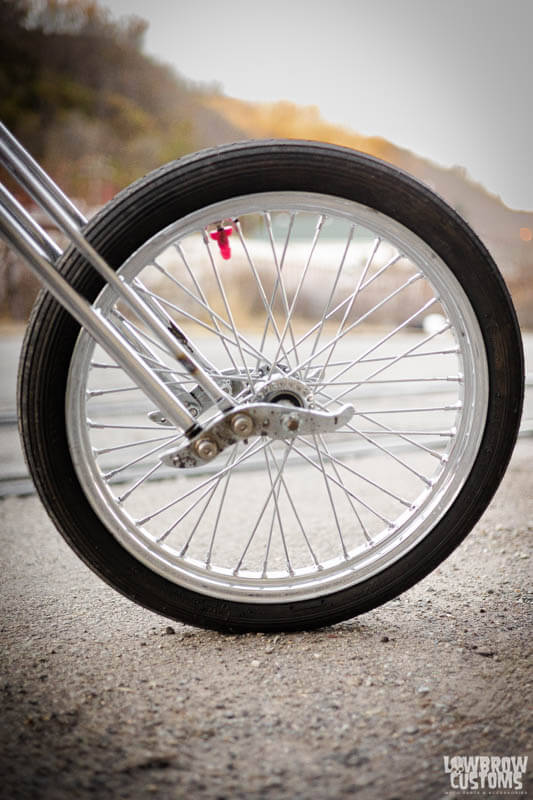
pixel 287 391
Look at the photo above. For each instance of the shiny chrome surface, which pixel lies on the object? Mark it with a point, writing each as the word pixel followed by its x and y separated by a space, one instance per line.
pixel 41 255
pixel 299 517
pixel 272 420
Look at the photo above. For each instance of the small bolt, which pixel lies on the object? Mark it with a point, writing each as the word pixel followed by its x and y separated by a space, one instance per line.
pixel 206 449
pixel 290 422
pixel 242 425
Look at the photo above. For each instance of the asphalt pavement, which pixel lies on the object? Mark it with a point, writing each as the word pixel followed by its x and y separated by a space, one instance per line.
pixel 101 698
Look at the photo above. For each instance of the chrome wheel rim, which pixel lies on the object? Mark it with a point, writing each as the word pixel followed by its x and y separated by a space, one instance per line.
pixel 274 521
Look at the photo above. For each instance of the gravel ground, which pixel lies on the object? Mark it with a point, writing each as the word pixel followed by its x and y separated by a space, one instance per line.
pixel 103 699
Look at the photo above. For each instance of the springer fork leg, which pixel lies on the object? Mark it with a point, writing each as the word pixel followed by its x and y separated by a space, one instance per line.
pixel 41 254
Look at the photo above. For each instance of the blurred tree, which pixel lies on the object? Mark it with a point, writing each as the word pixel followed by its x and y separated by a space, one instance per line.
pixel 77 90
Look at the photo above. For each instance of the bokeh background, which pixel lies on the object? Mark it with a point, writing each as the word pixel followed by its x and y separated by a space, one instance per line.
pixel 102 92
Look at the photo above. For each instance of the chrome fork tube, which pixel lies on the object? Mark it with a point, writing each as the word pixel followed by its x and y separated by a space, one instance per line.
pixel 21 165
pixel 41 253
pixel 91 319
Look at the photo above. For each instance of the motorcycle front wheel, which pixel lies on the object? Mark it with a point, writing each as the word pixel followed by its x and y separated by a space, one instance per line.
pixel 307 275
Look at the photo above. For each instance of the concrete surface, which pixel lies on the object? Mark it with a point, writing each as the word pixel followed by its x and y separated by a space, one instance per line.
pixel 103 699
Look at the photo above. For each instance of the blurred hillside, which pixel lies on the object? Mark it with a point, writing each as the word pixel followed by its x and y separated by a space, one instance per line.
pixel 507 233
pixel 78 91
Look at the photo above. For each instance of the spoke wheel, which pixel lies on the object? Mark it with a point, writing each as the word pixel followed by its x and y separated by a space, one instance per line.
pixel 311 299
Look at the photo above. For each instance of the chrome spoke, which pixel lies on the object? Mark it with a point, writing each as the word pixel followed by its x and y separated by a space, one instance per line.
pixel 100 451
pixel 349 305
pixel 273 485
pixel 182 312
pixel 386 430
pixel 276 489
pixel 142 457
pixel 396 458
pixel 412 432
pixel 228 309
pixel 267 306
pixel 139 482
pixel 332 382
pixel 250 451
pixel 101 365
pixel 293 507
pixel 279 279
pixel 330 498
pixel 288 321
pixel 365 316
pixel 227 479
pixel 316 302
pixel 330 298
pixel 381 271
pixel 215 317
pixel 365 478
pixel 348 497
pixel 102 392
pixel 400 355
pixel 360 360
pixel 106 426
pixel 139 338
pixel 211 491
pixel 338 483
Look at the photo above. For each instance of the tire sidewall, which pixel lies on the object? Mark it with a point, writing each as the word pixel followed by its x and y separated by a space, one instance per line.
pixel 176 190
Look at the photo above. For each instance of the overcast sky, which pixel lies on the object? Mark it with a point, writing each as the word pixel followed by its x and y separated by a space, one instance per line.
pixel 451 80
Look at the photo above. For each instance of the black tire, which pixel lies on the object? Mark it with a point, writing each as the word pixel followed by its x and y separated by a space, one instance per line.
pixel 184 187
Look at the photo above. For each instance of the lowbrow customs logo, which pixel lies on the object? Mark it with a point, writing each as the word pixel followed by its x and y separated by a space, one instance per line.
pixel 486 775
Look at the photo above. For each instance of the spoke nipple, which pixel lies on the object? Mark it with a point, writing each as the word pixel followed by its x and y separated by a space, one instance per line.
pixel 206 449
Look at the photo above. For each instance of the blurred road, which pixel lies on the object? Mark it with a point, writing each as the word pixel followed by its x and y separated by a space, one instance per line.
pixel 13 473
pixel 103 699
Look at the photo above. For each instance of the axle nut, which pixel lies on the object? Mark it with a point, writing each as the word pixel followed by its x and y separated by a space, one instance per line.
pixel 242 425
pixel 206 449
